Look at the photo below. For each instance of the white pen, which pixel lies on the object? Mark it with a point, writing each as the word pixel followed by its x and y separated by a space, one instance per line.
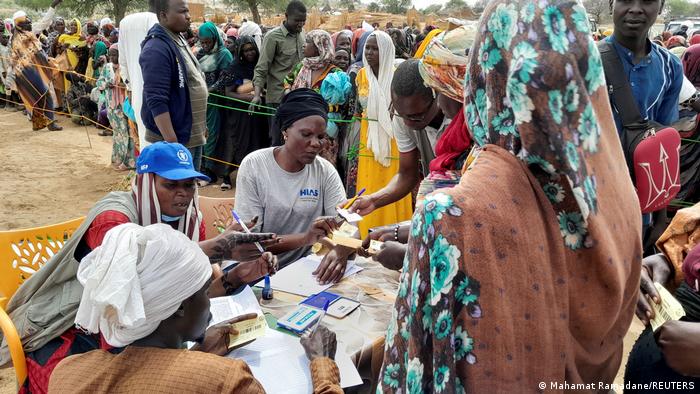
pixel 245 228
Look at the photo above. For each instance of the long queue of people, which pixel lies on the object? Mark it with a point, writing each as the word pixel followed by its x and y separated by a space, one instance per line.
pixel 498 163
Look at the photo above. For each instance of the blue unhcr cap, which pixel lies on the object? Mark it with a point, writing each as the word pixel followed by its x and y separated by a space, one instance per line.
pixel 169 160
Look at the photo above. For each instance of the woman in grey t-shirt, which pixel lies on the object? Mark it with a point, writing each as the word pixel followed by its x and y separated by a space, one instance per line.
pixel 291 189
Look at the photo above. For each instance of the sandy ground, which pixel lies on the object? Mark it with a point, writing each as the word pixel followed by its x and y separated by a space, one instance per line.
pixel 49 177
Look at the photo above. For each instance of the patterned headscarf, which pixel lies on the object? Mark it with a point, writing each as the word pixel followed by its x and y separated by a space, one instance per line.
pixel 322 41
pixel 444 63
pixel 529 90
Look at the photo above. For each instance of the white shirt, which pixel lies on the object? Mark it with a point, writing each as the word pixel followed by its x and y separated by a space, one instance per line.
pixel 408 139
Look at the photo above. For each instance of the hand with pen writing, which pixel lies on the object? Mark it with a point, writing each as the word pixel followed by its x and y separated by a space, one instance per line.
pixel 234 244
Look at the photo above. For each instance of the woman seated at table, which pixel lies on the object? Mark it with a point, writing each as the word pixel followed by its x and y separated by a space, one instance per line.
pixel 291 188
pixel 165 277
pixel 164 191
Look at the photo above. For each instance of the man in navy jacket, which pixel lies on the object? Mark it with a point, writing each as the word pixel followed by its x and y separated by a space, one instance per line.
pixel 174 91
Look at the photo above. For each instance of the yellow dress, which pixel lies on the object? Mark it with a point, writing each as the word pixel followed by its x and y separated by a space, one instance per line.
pixel 374 176
pixel 72 40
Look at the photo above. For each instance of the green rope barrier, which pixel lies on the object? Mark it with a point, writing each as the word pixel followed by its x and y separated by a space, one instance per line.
pixel 240 109
pixel 242 101
pixel 353 119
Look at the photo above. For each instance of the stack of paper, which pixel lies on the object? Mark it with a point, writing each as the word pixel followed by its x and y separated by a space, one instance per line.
pixel 225 308
pixel 228 307
pixel 298 278
pixel 279 363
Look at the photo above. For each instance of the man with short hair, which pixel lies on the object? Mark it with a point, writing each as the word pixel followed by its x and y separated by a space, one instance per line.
pixel 654 74
pixel 282 49
pixel 174 90
pixel 417 131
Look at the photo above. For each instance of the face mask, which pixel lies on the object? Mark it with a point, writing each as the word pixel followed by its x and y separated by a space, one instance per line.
pixel 167 218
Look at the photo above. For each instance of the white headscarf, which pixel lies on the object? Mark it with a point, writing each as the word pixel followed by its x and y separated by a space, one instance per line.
pixel 249 28
pixel 137 278
pixel 18 15
pixel 105 21
pixel 379 133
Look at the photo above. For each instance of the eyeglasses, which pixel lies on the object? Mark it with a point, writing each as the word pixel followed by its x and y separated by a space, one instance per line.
pixel 412 118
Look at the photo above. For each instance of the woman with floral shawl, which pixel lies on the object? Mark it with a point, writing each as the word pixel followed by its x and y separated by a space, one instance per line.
pixel 311 72
pixel 528 270
pixel 316 65
pixel 213 58
pixel 32 74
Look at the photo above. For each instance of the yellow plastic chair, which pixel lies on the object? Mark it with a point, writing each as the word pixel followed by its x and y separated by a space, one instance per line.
pixel 216 213
pixel 22 253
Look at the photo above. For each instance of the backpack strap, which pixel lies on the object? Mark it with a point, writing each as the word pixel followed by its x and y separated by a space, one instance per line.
pixel 619 88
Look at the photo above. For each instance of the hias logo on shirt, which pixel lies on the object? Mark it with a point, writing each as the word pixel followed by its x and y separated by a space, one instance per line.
pixel 308 193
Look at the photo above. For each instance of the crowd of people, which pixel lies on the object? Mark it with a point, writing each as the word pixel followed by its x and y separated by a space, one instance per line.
pixel 498 162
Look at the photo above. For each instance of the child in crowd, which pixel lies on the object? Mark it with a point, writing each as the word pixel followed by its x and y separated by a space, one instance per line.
pixel 112 93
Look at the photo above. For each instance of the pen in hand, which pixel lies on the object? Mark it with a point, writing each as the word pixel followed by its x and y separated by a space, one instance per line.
pixel 245 228
pixel 267 293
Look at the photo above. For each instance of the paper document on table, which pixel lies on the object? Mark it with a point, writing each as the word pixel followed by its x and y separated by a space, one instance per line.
pixel 297 278
pixel 279 363
pixel 670 308
pixel 228 307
